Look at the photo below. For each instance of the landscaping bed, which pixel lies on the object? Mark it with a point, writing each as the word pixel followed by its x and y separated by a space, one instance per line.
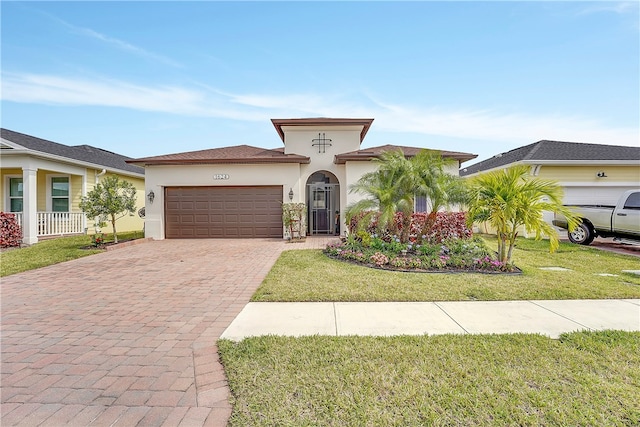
pixel 469 255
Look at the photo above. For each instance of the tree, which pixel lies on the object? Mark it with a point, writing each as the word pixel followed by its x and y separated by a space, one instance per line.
pixel 441 189
pixel 108 199
pixel 384 190
pixel 510 199
pixel 393 186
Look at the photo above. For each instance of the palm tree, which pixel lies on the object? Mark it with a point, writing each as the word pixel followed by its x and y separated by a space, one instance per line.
pixel 398 180
pixel 384 190
pixel 441 189
pixel 510 199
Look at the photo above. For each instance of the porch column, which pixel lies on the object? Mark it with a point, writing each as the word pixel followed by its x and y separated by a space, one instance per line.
pixel 29 206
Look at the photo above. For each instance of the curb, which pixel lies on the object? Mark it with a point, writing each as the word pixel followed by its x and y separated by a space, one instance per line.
pixel 129 243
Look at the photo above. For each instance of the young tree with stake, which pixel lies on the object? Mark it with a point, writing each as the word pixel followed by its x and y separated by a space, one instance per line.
pixel 111 199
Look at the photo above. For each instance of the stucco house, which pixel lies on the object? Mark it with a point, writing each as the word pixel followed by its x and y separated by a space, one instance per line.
pixel 43 183
pixel 238 191
pixel 589 173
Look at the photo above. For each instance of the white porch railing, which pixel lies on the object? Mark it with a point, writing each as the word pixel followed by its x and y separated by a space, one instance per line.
pixel 18 216
pixel 57 223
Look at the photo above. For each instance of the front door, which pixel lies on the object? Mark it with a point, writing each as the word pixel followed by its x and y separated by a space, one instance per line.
pixel 323 207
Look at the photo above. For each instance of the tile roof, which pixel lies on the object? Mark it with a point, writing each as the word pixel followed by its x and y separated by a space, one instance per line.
pixel 84 153
pixel 546 150
pixel 375 152
pixel 235 154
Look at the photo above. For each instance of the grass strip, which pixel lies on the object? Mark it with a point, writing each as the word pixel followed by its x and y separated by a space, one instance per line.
pixel 585 378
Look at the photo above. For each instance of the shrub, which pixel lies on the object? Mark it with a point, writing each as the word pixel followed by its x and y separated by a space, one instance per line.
pixel 447 226
pixel 10 232
pixel 432 228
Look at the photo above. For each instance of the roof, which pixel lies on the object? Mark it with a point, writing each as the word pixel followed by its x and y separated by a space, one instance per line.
pixel 557 151
pixel 375 152
pixel 83 153
pixel 225 155
pixel 322 121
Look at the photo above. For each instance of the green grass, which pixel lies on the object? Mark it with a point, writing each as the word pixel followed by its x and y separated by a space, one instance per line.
pixel 48 252
pixel 586 378
pixel 309 275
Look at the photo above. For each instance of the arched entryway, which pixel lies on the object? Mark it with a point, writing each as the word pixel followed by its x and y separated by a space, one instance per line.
pixel 323 203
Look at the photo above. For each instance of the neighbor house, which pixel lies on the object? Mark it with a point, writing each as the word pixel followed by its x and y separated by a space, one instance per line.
pixel 238 191
pixel 588 173
pixel 43 183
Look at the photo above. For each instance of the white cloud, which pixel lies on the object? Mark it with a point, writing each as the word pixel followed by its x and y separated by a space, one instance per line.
pixel 489 125
pixel 120 44
pixel 619 7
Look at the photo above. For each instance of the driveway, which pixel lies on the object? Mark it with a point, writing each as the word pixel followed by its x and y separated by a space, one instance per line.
pixel 128 337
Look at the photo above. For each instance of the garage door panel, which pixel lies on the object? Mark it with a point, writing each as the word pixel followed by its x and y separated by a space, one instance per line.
pixel 229 212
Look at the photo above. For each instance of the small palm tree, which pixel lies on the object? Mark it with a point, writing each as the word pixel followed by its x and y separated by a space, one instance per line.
pixel 510 199
pixel 398 180
pixel 441 189
pixel 384 192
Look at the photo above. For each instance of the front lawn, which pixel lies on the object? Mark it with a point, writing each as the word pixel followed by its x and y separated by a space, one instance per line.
pixel 585 378
pixel 53 251
pixel 309 275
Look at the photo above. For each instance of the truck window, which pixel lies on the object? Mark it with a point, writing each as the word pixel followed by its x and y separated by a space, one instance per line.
pixel 633 201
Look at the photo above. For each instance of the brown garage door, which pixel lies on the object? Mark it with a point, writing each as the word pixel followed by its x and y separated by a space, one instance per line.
pixel 223 212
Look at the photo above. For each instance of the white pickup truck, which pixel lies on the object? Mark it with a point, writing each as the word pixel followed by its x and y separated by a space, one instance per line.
pixel 621 221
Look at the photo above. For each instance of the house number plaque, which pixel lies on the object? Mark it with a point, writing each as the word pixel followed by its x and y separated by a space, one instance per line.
pixel 220 176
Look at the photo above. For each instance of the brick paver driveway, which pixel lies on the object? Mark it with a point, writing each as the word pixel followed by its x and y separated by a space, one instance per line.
pixel 127 337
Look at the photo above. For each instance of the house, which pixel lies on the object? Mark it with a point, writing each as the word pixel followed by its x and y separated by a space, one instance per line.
pixel 238 191
pixel 588 173
pixel 43 182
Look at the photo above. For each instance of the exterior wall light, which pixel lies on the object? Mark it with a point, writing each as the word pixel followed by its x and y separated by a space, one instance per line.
pixel 151 196
pixel 291 194
pixel 601 174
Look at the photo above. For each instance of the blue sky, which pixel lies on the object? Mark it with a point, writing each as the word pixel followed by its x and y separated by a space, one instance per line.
pixel 150 78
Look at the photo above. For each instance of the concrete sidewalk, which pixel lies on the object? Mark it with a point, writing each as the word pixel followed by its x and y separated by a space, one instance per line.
pixel 550 318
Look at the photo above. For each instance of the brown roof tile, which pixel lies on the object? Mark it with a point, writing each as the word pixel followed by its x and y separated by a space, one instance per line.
pixel 374 152
pixel 236 154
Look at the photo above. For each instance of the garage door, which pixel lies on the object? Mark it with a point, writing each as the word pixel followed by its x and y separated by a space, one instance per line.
pixel 592 195
pixel 223 212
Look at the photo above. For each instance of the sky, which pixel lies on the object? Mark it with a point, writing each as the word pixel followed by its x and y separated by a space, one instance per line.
pixel 150 78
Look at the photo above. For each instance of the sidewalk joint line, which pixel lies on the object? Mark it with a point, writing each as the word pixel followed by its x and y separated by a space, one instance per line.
pixel 449 316
pixel 335 317
pixel 195 380
pixel 558 314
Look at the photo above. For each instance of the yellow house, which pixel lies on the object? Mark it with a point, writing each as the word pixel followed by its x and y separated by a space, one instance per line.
pixel 590 174
pixel 43 182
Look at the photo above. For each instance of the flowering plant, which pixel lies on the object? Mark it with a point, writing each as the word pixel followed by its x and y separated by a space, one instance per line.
pixel 379 259
pixel 97 239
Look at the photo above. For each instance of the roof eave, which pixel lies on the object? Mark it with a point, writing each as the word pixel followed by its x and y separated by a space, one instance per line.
pixel 62 159
pixel 365 123
pixel 178 162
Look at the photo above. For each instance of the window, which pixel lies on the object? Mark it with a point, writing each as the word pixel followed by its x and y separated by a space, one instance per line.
pixel 15 194
pixel 420 204
pixel 60 194
pixel 633 201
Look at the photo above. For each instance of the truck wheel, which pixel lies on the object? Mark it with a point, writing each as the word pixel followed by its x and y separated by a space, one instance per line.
pixel 582 235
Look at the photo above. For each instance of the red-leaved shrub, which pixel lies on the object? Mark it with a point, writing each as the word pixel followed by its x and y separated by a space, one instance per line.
pixel 10 233
pixel 431 228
